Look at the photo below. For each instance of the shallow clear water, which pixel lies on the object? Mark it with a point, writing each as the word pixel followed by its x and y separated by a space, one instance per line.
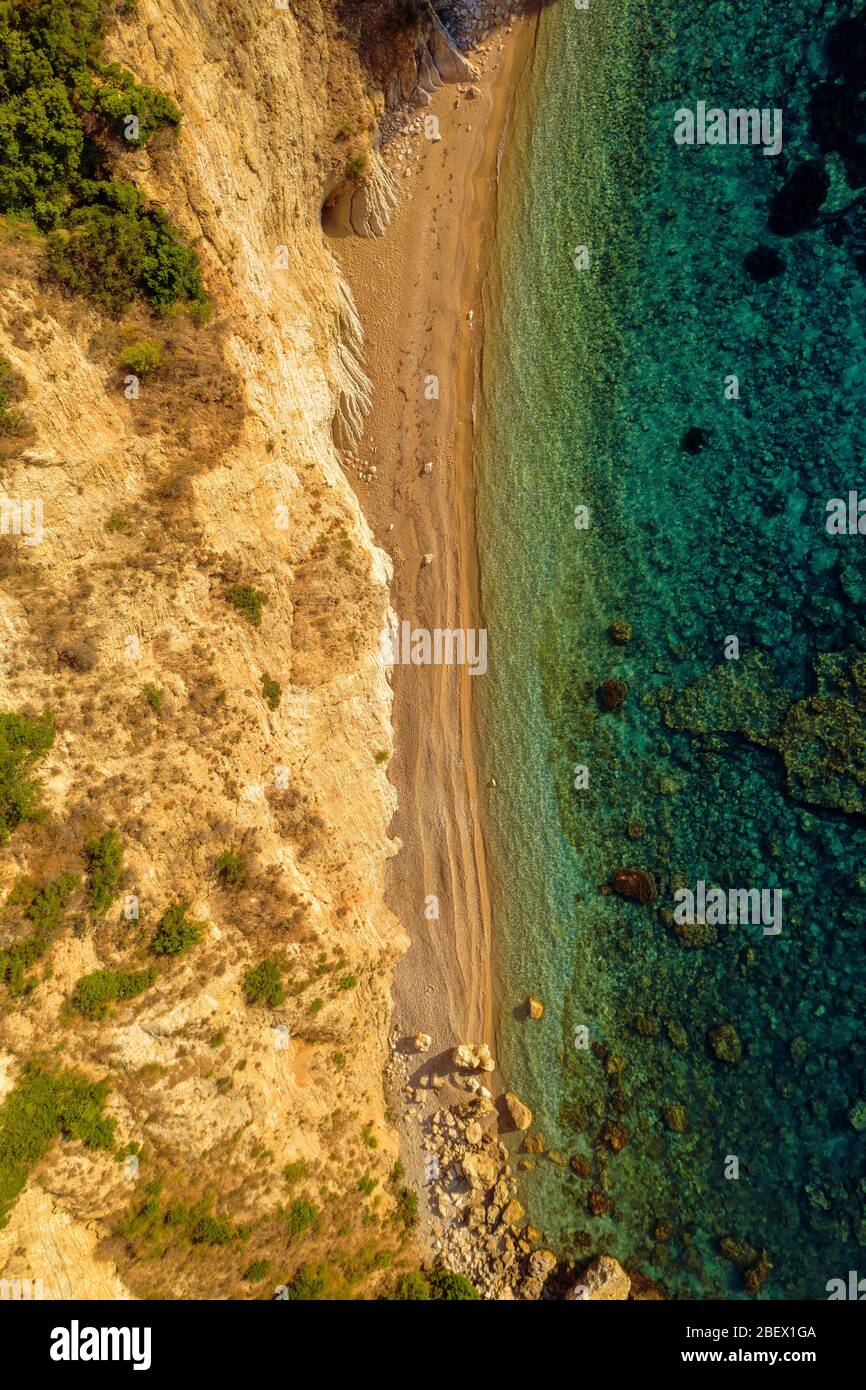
pixel 591 380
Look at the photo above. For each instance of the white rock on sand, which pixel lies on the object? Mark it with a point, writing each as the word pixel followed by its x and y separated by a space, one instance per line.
pixel 474 1056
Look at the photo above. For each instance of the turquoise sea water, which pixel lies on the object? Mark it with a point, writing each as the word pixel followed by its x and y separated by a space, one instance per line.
pixel 745 773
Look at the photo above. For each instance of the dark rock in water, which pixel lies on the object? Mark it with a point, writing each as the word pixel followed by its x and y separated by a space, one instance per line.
pixel 580 1165
pixel 796 205
pixel 763 264
pixel 694 440
pixel 612 693
pixel 725 1043
pixel 675 1118
pixel 619 632
pixel 739 1252
pixel 599 1204
pixel 634 883
pixel 643 1288
pixel 757 1274
pixel 614 1135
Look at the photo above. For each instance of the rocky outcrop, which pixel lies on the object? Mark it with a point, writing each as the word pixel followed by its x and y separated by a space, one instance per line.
pixel 604 1280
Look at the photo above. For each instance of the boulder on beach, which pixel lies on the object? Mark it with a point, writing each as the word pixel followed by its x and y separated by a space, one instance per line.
pixel 479 1169
pixel 603 1280
pixel 473 1057
pixel 520 1114
pixel 422 1042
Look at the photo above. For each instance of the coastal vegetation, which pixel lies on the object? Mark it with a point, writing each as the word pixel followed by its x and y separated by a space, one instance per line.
pixel 43 1105
pixel 23 742
pixel 104 857
pixel 176 932
pixel 263 984
pixel 64 115
pixel 43 912
pixel 95 993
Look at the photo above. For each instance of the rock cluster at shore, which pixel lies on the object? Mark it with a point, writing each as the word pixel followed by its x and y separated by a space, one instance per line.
pixel 474 1221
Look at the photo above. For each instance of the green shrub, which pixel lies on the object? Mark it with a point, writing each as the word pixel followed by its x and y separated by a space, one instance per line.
pixel 256 1271
pixel 154 697
pixel 296 1172
pixel 272 691
pixel 410 1288
pixel 141 358
pixel 41 1106
pixel 231 869
pixel 248 601
pixel 117 248
pixel 263 985
pixel 307 1284
pixel 175 933
pixel 348 982
pixel 119 96
pixel 437 1283
pixel 301 1216
pixel 9 418
pixel 45 912
pixel 103 856
pixel 95 993
pixel 58 101
pixel 23 741
pixel 448 1286
pixel 406 1210
pixel 156 1227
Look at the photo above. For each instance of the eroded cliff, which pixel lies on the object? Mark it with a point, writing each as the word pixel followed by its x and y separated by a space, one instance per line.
pixel 168 499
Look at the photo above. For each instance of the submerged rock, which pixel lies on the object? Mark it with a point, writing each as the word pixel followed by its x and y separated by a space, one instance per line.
pixel 620 632
pixel 612 693
pixel 725 1043
pixel 637 884
pixel 757 1274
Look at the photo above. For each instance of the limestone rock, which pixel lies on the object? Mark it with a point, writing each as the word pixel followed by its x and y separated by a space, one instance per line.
pixel 520 1114
pixel 534 1006
pixel 473 1056
pixel 479 1169
pixel 603 1280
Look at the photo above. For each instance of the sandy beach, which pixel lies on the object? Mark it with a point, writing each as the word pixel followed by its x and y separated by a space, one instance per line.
pixel 419 295
pixel 418 291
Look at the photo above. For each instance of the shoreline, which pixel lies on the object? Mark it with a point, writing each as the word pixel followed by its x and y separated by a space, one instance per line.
pixel 419 293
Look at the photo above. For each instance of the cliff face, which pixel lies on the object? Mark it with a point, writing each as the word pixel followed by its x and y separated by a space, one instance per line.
pixel 221 472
